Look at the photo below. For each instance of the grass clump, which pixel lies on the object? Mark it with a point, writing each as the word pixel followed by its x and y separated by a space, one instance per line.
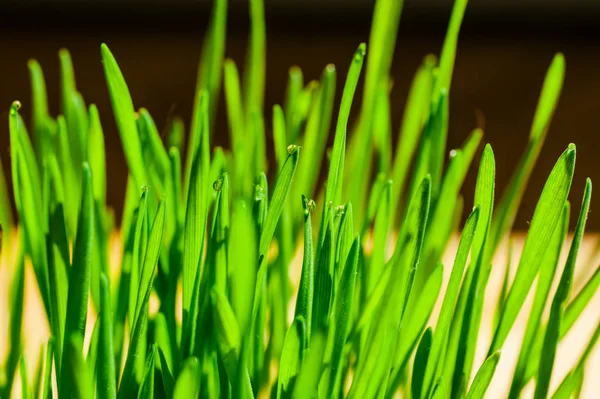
pixel 212 224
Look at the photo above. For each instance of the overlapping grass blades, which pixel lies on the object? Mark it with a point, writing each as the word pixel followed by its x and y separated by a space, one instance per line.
pixel 200 303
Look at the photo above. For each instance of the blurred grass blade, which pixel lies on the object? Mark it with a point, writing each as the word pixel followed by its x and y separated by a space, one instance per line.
pixel 188 382
pixel 444 77
pixel 78 372
pixel 506 211
pixel 483 377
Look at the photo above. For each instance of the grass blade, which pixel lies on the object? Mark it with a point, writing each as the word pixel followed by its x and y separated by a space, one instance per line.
pixel 545 219
pixel 188 382
pixel 291 357
pixel 483 377
pixel 124 117
pixel 106 369
pixel 79 284
pixel 562 293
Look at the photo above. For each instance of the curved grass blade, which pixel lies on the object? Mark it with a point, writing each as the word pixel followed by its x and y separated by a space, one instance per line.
pixel 167 377
pixel 562 293
pixel 543 224
pixel 483 377
pixel 335 176
pixel 124 116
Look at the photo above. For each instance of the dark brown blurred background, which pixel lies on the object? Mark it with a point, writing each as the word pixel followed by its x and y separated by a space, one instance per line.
pixel 504 49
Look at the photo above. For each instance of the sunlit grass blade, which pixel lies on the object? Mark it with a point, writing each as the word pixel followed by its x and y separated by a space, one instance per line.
pixel 483 377
pixel 124 116
pixel 562 293
pixel 543 224
pixel 484 197
pixel 167 377
pixel 442 327
pixel 548 269
pixel 415 323
pixel 569 385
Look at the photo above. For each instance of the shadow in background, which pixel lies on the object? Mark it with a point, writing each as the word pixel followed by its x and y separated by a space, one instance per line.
pixel 504 51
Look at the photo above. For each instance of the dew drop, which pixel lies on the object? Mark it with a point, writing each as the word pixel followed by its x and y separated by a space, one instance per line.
pixel 217 185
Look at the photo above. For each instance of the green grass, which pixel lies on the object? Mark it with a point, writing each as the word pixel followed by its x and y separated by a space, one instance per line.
pixel 221 233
